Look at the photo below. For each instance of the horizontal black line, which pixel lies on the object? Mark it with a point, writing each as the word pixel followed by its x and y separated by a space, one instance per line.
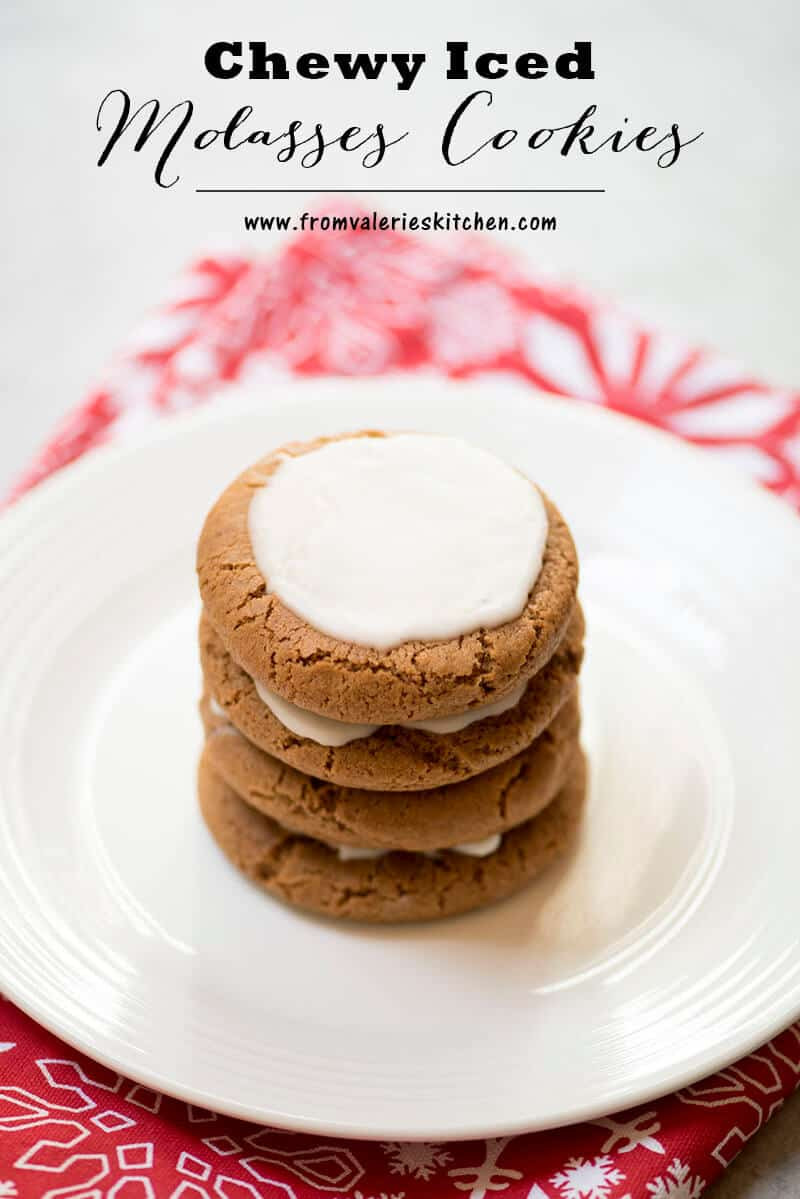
pixel 385 191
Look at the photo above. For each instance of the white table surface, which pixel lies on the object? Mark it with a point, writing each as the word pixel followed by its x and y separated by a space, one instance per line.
pixel 708 248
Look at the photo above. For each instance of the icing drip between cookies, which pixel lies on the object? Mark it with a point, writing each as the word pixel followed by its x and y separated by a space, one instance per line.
pixel 325 731
pixel 473 849
pixel 378 541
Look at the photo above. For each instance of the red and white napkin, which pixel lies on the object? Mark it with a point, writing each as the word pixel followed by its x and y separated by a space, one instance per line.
pixel 366 303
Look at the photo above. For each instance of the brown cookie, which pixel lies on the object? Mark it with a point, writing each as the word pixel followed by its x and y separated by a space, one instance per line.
pixel 399 886
pixel 417 821
pixel 414 681
pixel 394 758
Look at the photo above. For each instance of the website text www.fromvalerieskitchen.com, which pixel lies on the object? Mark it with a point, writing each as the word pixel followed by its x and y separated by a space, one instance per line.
pixel 470 222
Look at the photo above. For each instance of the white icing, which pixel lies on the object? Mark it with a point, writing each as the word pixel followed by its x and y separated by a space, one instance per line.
pixel 480 849
pixel 216 709
pixel 453 724
pixel 353 853
pixel 381 540
pixel 320 729
pixel 325 731
pixel 474 849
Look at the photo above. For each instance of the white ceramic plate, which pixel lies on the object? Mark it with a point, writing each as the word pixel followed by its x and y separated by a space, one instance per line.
pixel 664 948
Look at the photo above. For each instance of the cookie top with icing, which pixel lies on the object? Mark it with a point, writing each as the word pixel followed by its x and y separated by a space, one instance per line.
pixel 414 537
pixel 404 582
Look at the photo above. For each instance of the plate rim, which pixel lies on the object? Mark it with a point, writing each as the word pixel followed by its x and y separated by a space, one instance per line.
pixel 629 1097
pixel 20 512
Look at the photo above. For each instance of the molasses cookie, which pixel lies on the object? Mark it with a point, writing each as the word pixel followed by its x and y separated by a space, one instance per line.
pixel 464 812
pixel 387 578
pixel 391 757
pixel 395 887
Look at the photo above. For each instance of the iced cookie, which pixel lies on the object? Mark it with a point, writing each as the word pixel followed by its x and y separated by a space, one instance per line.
pixel 464 812
pixel 392 757
pixel 395 887
pixel 387 578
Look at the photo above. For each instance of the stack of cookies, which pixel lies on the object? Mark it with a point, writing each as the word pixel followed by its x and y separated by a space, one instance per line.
pixel 390 645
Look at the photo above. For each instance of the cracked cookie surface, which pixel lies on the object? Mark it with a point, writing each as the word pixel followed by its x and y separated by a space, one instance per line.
pixel 414 681
pixel 396 888
pixel 394 758
pixel 417 821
